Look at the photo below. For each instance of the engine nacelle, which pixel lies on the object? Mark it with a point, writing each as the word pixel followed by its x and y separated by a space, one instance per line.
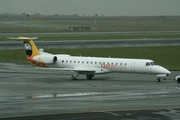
pixel 47 59
pixel 177 78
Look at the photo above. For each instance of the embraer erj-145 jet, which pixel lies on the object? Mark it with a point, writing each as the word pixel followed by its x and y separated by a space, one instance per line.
pixel 90 66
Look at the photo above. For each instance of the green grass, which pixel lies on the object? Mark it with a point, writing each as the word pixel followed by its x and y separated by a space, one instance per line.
pixel 109 36
pixel 20 24
pixel 167 56
pixel 13 55
pixel 99 37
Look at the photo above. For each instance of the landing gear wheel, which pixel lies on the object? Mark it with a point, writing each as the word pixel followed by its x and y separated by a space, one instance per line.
pixel 178 80
pixel 89 77
pixel 73 77
pixel 158 80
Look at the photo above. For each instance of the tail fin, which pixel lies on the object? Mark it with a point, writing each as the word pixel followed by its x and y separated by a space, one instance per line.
pixel 34 55
pixel 30 47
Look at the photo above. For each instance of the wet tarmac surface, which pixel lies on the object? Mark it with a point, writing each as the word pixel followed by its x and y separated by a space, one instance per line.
pixel 31 93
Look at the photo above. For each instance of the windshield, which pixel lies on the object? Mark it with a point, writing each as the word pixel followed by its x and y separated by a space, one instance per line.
pixel 153 63
pixel 150 63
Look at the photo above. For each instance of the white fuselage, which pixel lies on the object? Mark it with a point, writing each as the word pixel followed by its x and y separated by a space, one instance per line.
pixel 105 65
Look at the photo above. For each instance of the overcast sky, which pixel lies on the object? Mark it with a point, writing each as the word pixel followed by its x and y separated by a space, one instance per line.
pixel 92 7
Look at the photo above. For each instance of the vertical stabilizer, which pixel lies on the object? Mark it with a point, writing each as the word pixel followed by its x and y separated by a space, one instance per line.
pixel 30 47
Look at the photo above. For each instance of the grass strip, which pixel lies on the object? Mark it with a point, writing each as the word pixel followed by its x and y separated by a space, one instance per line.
pixel 98 37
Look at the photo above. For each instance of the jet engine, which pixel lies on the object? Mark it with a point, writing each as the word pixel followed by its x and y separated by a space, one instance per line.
pixel 177 78
pixel 47 59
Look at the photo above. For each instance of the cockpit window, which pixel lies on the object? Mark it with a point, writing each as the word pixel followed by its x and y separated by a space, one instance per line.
pixel 147 64
pixel 153 63
pixel 150 63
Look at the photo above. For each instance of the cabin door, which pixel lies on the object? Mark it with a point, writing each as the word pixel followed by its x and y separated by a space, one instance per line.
pixel 133 66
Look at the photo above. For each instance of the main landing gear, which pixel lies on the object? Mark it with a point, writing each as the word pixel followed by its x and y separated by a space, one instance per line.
pixel 89 76
pixel 73 77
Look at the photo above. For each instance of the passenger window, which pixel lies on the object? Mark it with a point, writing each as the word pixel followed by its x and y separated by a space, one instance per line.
pixel 78 62
pixel 62 60
pixel 66 61
pixel 82 61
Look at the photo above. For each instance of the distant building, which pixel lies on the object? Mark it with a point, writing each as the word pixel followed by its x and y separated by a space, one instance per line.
pixel 79 28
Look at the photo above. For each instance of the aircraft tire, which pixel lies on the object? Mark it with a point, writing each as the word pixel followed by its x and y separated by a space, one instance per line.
pixel 158 80
pixel 73 77
pixel 178 80
pixel 89 77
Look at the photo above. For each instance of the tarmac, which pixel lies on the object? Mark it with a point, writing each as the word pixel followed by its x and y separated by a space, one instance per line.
pixel 28 92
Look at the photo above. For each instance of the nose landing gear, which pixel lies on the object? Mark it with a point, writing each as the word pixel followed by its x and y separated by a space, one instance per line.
pixel 161 77
pixel 158 79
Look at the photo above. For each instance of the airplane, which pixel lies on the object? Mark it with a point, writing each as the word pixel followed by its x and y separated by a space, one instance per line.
pixel 90 66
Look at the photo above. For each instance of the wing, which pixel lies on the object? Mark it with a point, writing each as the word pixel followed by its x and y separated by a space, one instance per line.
pixel 81 70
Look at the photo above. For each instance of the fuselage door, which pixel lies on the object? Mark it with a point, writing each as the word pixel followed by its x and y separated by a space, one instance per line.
pixel 133 66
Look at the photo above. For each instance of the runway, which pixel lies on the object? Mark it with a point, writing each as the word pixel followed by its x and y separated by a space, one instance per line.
pixel 94 43
pixel 26 90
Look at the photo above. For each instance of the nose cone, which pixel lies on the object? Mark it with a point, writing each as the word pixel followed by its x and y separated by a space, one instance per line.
pixel 160 70
pixel 164 70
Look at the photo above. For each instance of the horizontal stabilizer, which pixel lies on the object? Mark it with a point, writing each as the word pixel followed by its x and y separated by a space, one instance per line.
pixel 24 38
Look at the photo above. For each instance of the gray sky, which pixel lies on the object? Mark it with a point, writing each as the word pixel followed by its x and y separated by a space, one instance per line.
pixel 92 7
